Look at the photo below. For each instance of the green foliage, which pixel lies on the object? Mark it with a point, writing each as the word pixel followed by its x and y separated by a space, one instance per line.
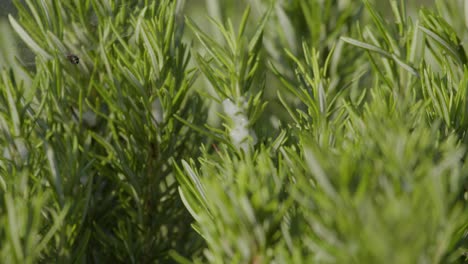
pixel 98 136
pixel 238 215
pixel 234 71
pixel 341 135
pixel 368 173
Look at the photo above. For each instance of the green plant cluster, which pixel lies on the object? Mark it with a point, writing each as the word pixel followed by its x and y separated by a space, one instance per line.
pixel 300 131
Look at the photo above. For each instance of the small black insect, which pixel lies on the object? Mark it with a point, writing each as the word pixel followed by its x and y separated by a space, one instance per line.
pixel 73 59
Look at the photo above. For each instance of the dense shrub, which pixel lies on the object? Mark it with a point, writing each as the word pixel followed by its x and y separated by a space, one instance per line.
pixel 262 132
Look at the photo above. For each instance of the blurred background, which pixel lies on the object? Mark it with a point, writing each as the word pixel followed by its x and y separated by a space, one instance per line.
pixel 197 9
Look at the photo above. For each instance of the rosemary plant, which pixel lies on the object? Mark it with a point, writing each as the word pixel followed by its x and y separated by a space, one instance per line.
pixel 339 133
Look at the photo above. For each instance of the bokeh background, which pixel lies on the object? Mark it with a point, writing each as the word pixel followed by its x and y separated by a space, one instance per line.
pixel 11 47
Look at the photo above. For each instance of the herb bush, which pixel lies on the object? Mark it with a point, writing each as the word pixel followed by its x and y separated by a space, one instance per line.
pixel 260 132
